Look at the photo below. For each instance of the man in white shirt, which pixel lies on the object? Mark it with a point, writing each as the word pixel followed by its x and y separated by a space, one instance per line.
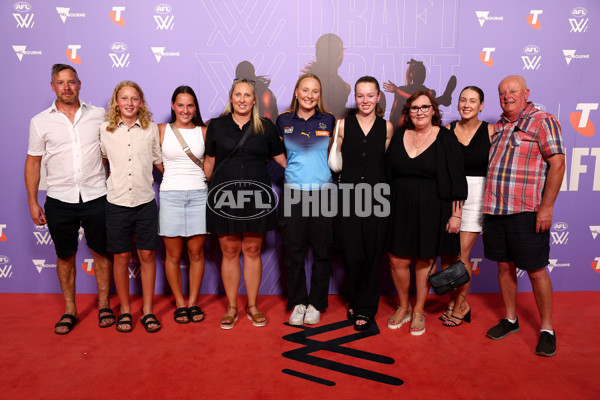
pixel 66 138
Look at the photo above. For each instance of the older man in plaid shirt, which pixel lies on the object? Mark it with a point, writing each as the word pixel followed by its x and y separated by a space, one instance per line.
pixel 525 171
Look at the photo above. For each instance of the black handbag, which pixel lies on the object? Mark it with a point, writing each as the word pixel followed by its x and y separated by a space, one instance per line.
pixel 449 279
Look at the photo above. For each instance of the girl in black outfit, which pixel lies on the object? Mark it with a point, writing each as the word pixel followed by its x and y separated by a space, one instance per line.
pixel 363 139
pixel 474 138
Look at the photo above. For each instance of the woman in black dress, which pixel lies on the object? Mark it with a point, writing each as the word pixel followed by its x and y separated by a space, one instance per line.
pixel 240 201
pixel 363 139
pixel 474 137
pixel 426 173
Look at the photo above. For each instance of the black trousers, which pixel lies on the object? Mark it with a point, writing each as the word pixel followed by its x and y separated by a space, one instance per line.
pixel 296 229
pixel 362 241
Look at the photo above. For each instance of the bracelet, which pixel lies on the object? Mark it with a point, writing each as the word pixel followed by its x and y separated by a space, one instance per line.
pixel 455 216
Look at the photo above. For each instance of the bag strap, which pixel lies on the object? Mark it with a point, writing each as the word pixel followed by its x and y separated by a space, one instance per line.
pixel 237 146
pixel 184 145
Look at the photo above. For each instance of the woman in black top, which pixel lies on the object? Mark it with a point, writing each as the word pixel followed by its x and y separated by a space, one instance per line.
pixel 363 139
pixel 426 173
pixel 474 137
pixel 240 200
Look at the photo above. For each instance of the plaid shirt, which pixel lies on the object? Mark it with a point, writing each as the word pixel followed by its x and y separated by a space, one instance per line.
pixel 517 167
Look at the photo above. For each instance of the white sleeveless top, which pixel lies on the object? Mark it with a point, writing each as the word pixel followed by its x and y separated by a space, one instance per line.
pixel 180 172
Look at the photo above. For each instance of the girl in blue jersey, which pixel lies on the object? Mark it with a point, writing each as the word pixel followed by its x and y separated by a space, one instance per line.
pixel 306 130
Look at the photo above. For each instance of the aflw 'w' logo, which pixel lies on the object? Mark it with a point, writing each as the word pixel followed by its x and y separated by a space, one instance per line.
pixel 43 237
pixel 24 21
pixel 531 63
pixel 120 60
pixel 164 23
pixel 578 25
pixel 134 270
pixel 6 271
pixel 559 237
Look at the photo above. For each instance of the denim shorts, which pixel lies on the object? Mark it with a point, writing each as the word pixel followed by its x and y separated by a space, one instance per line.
pixel 182 212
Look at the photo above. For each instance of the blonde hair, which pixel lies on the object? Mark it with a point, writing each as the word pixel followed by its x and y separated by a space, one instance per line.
pixel 257 123
pixel 294 104
pixel 114 115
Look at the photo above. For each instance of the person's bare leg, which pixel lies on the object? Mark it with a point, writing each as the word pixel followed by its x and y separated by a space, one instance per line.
pixel 173 247
pixel 251 246
pixel 121 275
pixel 148 269
pixel 507 277
pixel 461 307
pixel 195 245
pixel 446 261
pixel 422 267
pixel 401 277
pixel 103 271
pixel 542 290
pixel 65 268
pixel 422 283
pixel 231 247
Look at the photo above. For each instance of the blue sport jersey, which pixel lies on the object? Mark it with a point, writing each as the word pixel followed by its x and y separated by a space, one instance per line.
pixel 306 142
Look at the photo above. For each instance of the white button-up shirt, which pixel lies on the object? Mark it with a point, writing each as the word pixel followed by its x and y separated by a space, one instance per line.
pixel 71 152
pixel 131 153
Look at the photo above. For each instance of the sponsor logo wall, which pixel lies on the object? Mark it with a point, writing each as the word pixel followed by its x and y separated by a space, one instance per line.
pixel 552 43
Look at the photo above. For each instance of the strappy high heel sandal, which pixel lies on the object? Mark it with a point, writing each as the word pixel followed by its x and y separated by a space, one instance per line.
pixel 451 322
pixel 227 321
pixel 407 317
pixel 446 314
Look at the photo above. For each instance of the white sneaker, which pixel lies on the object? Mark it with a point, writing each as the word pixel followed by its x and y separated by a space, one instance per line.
pixel 312 316
pixel 297 316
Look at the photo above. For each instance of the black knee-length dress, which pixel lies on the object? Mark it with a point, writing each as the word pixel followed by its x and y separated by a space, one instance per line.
pixel 423 189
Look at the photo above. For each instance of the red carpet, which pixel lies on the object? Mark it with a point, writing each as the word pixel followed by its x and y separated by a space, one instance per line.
pixel 204 361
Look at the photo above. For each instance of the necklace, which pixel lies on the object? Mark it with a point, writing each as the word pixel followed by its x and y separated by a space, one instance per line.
pixel 467 136
pixel 426 139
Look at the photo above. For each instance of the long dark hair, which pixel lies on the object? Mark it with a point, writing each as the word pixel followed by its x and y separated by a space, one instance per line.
pixel 369 79
pixel 436 118
pixel 197 119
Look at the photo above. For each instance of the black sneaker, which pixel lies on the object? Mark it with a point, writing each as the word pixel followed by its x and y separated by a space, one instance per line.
pixel 503 328
pixel 547 345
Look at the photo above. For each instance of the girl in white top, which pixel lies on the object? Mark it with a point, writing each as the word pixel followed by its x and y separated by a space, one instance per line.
pixel 183 193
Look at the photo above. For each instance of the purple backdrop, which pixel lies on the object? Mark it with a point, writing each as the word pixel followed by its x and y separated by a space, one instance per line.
pixel 160 46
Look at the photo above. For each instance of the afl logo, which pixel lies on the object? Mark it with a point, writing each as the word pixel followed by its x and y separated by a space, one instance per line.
pixel 560 226
pixel 242 200
pixel 40 227
pixel 539 106
pixel 579 12
pixel 22 6
pixel 163 9
pixel 118 47
pixel 4 259
pixel 531 49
